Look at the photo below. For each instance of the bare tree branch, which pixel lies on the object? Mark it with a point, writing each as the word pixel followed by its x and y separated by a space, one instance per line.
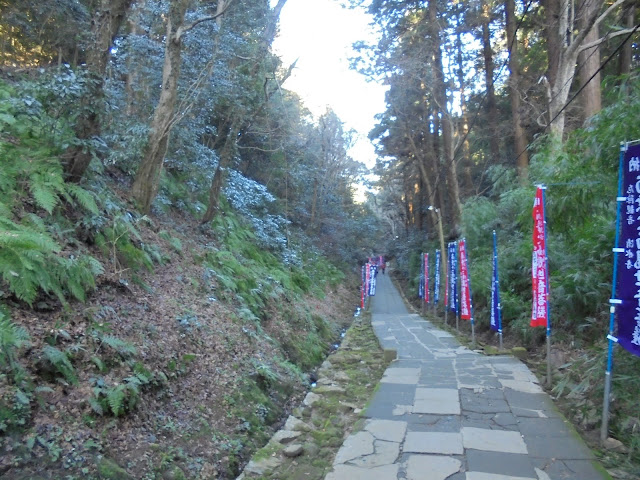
pixel 185 28
pixel 587 46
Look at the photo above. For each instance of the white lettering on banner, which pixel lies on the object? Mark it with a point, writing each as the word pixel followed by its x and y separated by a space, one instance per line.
pixel 632 245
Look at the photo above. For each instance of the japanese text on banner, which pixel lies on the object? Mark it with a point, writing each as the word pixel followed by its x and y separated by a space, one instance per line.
pixel 465 294
pixel 628 282
pixel 426 278
pixel 453 277
pixel 539 274
pixel 436 282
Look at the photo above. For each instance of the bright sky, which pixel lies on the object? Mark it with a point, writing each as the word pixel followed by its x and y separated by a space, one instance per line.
pixel 320 34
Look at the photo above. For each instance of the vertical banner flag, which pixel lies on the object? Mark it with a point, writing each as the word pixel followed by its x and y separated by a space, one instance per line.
pixel 465 292
pixel 453 277
pixel 367 278
pixel 362 287
pixel 496 323
pixel 421 282
pixel 373 270
pixel 436 282
pixel 426 278
pixel 446 283
pixel 628 281
pixel 539 272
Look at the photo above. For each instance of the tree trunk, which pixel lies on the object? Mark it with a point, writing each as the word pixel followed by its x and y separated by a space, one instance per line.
pixel 106 22
pixel 589 61
pixel 553 37
pixel 145 186
pixel 565 63
pixel 492 111
pixel 136 85
pixel 464 119
pixel 229 148
pixel 519 134
pixel 628 16
pixel 454 206
pixel 226 159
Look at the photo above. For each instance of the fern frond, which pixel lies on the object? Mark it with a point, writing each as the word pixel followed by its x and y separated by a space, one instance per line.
pixel 5 210
pixel 123 348
pixel 125 221
pixel 96 406
pixel 84 197
pixel 115 398
pixel 61 363
pixel 12 338
pixel 45 197
pixel 98 363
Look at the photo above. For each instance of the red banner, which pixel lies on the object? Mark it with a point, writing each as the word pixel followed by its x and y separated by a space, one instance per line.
pixel 465 294
pixel 539 274
pixel 426 278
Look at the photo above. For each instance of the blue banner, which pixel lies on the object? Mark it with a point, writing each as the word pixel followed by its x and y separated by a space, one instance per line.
pixel 496 308
pixel 453 276
pixel 373 272
pixel 628 281
pixel 421 281
pixel 436 281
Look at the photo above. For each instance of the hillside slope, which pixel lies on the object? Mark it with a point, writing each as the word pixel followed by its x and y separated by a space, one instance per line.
pixel 177 366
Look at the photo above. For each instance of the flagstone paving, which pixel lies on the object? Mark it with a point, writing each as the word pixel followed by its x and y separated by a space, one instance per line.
pixel 444 412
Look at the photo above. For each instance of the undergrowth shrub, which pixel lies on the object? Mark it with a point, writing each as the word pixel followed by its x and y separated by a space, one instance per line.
pixel 31 261
pixel 116 241
pixel 16 387
pixel 34 135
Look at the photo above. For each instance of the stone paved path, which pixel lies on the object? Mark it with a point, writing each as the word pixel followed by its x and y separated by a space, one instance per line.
pixel 443 411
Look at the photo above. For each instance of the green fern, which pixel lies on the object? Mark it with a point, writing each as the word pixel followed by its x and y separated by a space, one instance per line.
pixel 43 193
pixel 96 405
pixel 85 198
pixel 30 262
pixel 123 348
pixel 61 363
pixel 12 338
pixel 115 399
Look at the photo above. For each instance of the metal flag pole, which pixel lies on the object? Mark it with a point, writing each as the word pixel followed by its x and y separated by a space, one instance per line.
pixel 604 429
pixel 497 287
pixel 546 266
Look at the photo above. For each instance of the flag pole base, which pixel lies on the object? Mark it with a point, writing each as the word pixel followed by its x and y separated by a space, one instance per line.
pixel 604 428
pixel 473 335
pixel 548 360
pixel 500 334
